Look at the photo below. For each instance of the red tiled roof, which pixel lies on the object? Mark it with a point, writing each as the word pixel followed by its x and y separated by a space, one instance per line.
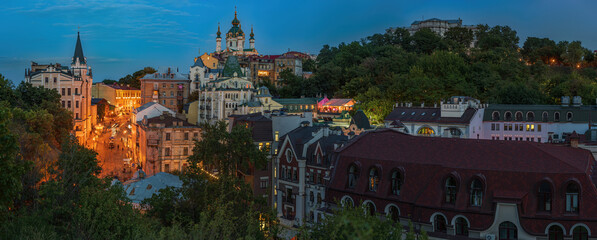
pixel 510 172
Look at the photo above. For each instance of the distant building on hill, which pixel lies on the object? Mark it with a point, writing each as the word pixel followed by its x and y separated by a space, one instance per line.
pixel 440 27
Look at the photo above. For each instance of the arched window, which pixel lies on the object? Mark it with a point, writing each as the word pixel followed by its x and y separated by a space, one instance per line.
pixel 393 213
pixel 495 116
pixel 508 231
pixel 347 202
pixel 352 176
pixel 569 116
pixel 461 226
pixel 289 155
pixel 555 233
pixel 545 117
pixel 572 192
pixel 580 233
pixel 508 116
pixel 439 223
pixel 450 189
pixel 530 116
pixel 476 193
pixel 396 182
pixel 518 116
pixel 544 197
pixel 556 117
pixel 426 131
pixel 373 179
pixel 370 208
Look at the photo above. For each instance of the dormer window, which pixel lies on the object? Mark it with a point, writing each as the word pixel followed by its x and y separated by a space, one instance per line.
pixel 450 190
pixel 373 179
pixel 352 176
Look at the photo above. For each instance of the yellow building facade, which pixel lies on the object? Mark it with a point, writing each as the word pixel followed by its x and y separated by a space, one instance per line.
pixel 124 98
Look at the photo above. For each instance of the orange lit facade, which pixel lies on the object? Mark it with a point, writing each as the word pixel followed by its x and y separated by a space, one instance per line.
pixel 336 105
pixel 125 98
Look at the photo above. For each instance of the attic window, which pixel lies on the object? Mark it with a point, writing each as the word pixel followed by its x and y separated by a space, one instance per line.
pixel 423 114
pixel 433 114
pixel 132 192
pixel 149 186
pixel 403 113
pixel 413 113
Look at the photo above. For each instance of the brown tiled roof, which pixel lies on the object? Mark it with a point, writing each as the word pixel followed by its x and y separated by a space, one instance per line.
pixel 510 172
pixel 410 114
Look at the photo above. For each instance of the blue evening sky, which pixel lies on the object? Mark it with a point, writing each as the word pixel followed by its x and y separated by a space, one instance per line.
pixel 122 36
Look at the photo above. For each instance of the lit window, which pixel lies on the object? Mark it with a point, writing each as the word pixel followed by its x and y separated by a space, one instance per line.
pixel 373 179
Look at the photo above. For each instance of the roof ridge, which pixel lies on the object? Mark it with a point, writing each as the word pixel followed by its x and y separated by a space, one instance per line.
pixel 555 157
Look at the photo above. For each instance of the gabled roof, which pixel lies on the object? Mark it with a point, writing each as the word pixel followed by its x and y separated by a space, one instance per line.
pixel 361 120
pixel 232 66
pixel 431 115
pixel 78 52
pixel 198 63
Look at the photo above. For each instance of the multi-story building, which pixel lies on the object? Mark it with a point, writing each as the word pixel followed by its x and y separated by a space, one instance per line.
pixel 460 117
pixel 288 62
pixel 468 188
pixel 302 168
pixel 440 27
pixel 124 98
pixel 538 123
pixel 262 68
pixel 74 86
pixel 165 143
pixel 224 96
pixel 203 70
pixel 167 87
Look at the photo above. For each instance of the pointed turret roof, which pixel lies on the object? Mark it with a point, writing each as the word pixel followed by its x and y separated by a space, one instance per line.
pixel 232 66
pixel 219 33
pixel 79 52
pixel 252 35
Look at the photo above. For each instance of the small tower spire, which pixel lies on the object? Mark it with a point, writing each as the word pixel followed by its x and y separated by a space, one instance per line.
pixel 218 33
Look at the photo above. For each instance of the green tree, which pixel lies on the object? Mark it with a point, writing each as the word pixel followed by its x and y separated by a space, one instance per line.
pixel 496 37
pixel 133 80
pixel 426 41
pixel 462 37
pixel 352 223
pixel 573 54
pixel 540 49
pixel 12 169
pixel 309 65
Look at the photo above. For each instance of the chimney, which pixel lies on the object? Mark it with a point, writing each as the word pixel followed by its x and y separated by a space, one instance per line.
pixel 565 101
pixel 574 139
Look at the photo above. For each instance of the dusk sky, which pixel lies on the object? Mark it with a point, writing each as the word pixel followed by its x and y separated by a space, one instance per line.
pixel 120 37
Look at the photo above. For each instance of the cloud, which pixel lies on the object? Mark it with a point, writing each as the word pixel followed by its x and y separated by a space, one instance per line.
pixel 117 20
